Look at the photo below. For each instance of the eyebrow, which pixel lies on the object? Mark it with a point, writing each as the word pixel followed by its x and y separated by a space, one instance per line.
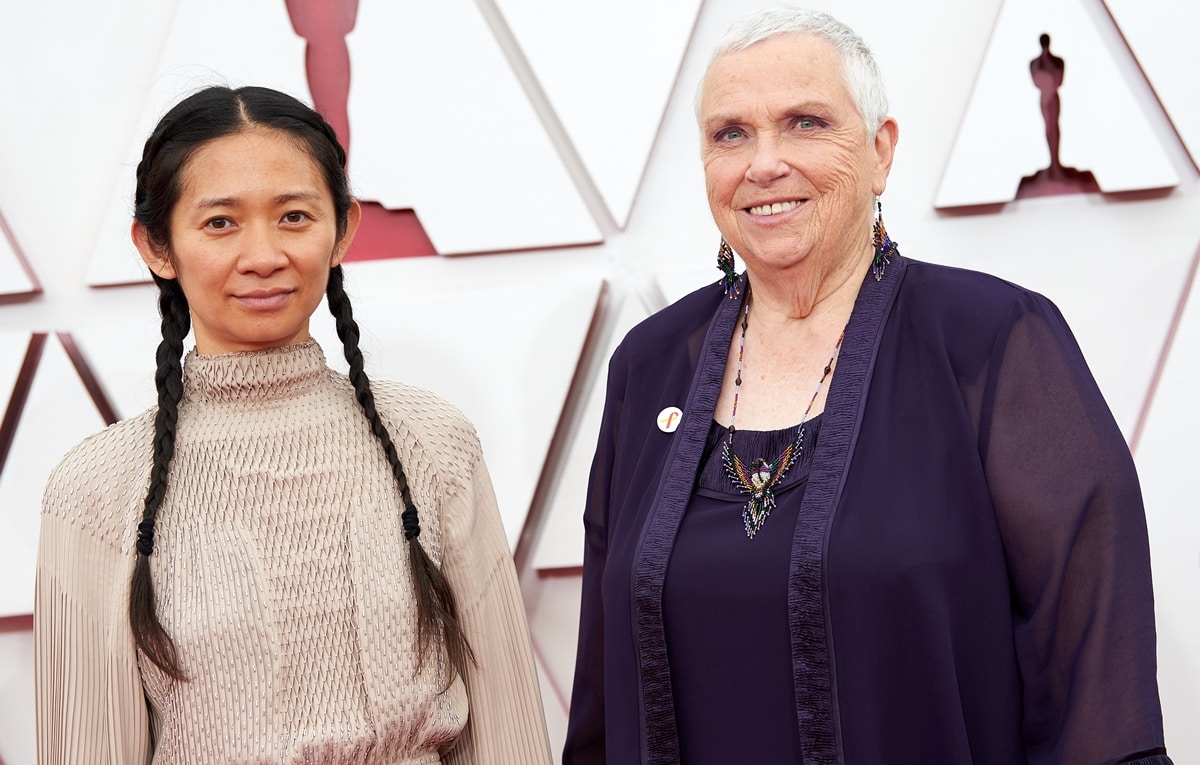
pixel 208 203
pixel 801 109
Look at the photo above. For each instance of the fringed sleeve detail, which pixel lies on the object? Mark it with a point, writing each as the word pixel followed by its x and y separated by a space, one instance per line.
pixel 90 704
pixel 506 722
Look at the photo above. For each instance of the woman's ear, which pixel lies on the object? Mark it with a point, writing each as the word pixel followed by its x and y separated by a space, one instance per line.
pixel 156 261
pixel 353 218
pixel 885 151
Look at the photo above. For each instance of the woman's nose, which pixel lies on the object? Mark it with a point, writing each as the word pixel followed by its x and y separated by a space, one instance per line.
pixel 261 251
pixel 766 164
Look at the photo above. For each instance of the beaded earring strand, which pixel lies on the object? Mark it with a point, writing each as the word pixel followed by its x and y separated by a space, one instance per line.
pixel 760 479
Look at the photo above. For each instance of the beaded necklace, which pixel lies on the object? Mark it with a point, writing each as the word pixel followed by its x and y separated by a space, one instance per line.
pixel 760 479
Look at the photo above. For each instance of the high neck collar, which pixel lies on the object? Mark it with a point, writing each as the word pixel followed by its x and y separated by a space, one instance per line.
pixel 254 375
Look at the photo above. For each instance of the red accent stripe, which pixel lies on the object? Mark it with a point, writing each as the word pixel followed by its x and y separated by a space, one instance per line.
pixel 385 234
pixel 22 623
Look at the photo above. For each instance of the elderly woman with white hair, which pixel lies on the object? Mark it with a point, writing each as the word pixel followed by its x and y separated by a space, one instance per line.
pixel 848 507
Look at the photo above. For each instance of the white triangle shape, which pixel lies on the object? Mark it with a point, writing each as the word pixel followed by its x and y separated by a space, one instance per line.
pixel 452 134
pixel 15 278
pixel 1166 456
pixel 58 414
pixel 13 346
pixel 504 354
pixel 1104 124
pixel 1162 36
pixel 611 112
pixel 560 543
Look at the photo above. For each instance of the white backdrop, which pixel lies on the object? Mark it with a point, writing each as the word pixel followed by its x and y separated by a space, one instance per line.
pixel 74 83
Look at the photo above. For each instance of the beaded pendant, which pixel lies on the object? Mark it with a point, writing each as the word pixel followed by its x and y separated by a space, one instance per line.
pixel 759 480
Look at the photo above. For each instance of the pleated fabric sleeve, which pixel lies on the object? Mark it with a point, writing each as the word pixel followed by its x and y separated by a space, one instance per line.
pixel 506 724
pixel 90 706
pixel 282 574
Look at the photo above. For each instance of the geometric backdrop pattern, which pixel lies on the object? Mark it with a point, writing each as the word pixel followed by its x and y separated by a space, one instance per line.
pixel 640 44
pixel 519 337
pixel 1003 133
pixel 1165 46
pixel 17 280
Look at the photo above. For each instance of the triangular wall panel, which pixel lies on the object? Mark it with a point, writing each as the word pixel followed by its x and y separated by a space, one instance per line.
pixel 1166 457
pixel 1162 36
pixel 641 44
pixel 17 279
pixel 57 414
pixel 1104 125
pixel 560 543
pixel 447 130
pixel 504 355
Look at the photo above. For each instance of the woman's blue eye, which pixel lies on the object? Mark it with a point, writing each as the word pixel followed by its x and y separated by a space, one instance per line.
pixel 806 122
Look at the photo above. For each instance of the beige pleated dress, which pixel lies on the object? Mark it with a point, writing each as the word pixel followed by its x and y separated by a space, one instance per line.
pixel 281 572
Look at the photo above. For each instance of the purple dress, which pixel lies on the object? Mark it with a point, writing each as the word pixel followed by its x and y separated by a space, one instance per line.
pixel 718 573
pixel 967 578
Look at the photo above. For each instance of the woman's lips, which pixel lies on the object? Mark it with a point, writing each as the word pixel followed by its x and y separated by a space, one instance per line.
pixel 264 300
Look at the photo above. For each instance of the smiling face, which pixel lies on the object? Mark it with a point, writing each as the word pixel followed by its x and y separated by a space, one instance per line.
pixel 253 237
pixel 790 169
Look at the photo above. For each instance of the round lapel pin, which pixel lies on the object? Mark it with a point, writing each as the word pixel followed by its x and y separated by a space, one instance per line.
pixel 668 419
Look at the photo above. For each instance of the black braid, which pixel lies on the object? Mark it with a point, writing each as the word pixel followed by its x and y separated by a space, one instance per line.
pixel 148 631
pixel 436 606
pixel 204 116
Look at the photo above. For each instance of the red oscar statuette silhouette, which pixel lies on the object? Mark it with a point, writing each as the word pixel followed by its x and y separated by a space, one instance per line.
pixel 1047 73
pixel 324 25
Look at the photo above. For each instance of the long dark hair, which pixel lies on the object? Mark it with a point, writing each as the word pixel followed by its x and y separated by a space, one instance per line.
pixel 209 114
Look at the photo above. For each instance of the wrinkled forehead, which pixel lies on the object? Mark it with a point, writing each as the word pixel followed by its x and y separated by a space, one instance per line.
pixel 802 61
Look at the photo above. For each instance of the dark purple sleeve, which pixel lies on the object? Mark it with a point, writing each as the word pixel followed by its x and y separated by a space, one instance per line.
pixel 1070 514
pixel 585 743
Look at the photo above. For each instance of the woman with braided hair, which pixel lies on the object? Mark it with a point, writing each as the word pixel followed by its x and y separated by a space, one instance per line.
pixel 278 563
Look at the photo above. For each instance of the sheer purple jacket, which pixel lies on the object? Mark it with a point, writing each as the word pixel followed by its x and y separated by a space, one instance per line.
pixel 970 575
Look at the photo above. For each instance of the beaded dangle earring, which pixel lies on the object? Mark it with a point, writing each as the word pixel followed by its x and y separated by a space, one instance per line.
pixel 725 264
pixel 885 248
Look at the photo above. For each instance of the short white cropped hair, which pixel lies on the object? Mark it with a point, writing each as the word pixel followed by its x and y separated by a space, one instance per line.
pixel 858 63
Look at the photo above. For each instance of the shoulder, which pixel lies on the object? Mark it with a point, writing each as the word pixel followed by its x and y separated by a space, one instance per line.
pixel 427 423
pixel 977 319
pixel 676 329
pixel 686 314
pixel 968 298
pixel 101 480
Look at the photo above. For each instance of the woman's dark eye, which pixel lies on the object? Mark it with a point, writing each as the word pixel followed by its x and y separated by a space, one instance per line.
pixel 295 217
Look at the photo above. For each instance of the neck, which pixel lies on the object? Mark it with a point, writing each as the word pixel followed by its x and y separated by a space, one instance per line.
pixel 809 290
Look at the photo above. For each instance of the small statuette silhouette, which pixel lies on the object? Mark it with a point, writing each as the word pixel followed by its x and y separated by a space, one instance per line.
pixel 324 25
pixel 1047 73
